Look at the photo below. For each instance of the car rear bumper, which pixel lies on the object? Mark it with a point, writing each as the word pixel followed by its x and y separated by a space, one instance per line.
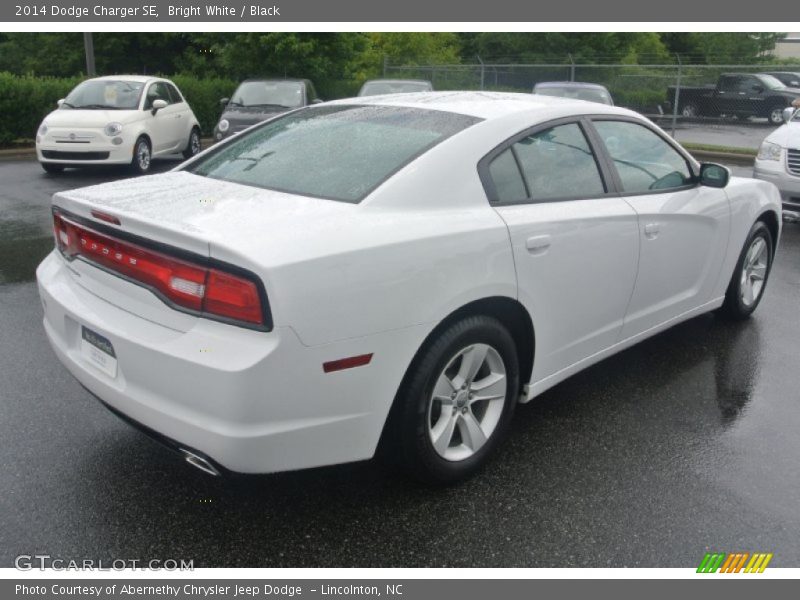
pixel 252 402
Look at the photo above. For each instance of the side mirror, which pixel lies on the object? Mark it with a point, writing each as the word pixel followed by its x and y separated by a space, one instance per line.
pixel 158 104
pixel 223 102
pixel 317 101
pixel 61 101
pixel 714 175
pixel 788 113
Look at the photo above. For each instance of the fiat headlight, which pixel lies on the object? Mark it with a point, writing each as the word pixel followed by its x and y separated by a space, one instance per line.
pixel 769 151
pixel 113 129
pixel 43 129
pixel 223 125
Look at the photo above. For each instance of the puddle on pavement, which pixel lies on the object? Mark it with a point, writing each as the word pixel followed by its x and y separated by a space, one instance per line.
pixel 22 247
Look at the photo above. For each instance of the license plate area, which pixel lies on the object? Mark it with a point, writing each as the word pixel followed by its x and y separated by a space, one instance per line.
pixel 98 351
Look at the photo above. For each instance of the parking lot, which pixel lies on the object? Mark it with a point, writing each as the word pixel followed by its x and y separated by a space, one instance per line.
pixel 683 444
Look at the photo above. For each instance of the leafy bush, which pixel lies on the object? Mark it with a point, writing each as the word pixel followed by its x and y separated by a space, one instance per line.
pixel 26 100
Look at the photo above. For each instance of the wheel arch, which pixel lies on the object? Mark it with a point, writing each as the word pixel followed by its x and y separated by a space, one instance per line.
pixel 770 219
pixel 509 311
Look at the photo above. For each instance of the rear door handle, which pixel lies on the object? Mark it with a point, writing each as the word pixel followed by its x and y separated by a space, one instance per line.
pixel 538 244
pixel 651 231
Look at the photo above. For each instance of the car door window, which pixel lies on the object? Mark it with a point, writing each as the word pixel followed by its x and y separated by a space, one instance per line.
pixel 729 84
pixel 174 94
pixel 644 161
pixel 556 163
pixel 156 91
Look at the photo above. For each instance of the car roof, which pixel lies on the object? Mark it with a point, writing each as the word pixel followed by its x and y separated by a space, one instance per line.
pixel 291 79
pixel 380 80
pixel 484 105
pixel 575 84
pixel 139 78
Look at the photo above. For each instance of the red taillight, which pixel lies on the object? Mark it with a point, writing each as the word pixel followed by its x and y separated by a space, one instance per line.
pixel 198 288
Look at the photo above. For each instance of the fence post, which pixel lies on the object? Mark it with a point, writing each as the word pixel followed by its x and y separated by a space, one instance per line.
pixel 483 70
pixel 677 97
pixel 571 67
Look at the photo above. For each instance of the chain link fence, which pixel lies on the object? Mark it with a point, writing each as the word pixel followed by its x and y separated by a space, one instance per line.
pixel 668 93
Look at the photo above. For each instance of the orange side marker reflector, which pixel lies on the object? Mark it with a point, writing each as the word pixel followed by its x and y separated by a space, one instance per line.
pixel 346 363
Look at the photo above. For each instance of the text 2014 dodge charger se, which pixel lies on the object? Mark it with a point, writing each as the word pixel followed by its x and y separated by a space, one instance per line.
pixel 400 270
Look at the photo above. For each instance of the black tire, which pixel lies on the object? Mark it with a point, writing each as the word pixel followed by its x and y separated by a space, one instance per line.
pixel 690 110
pixel 408 428
pixel 139 164
pixel 52 168
pixel 736 306
pixel 194 146
pixel 775 114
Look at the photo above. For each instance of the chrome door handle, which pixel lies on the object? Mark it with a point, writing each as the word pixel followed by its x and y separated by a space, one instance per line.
pixel 538 244
pixel 651 230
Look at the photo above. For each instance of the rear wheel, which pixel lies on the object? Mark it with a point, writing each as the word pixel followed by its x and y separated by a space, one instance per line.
pixel 458 401
pixel 750 276
pixel 775 115
pixel 52 168
pixel 193 147
pixel 142 156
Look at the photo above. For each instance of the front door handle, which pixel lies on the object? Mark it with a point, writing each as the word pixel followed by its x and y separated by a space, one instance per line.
pixel 538 244
pixel 651 231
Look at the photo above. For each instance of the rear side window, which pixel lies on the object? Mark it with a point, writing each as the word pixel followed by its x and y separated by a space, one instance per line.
pixel 552 164
pixel 335 152
pixel 645 162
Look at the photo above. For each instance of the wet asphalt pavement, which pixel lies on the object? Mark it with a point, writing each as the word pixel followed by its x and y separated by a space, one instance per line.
pixel 686 443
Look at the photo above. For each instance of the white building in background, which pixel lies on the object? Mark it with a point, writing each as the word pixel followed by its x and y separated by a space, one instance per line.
pixel 788 47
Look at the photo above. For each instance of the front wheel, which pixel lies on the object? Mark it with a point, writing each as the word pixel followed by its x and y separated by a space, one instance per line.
pixel 193 147
pixel 750 276
pixel 52 168
pixel 142 156
pixel 458 401
pixel 690 110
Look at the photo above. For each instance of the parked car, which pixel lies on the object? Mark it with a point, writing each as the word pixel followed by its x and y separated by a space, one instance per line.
pixel 257 100
pixel 778 160
pixel 120 119
pixel 378 87
pixel 397 271
pixel 592 92
pixel 788 78
pixel 736 94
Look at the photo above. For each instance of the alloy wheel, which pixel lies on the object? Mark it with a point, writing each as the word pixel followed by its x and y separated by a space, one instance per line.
pixel 754 272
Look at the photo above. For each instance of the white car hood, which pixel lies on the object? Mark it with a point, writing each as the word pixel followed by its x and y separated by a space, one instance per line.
pixel 90 118
pixel 786 136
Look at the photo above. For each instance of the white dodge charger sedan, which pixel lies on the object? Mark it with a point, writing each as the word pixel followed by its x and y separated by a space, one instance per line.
pixel 391 273
pixel 121 119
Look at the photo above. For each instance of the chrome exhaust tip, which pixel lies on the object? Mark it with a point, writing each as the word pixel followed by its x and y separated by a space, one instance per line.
pixel 199 462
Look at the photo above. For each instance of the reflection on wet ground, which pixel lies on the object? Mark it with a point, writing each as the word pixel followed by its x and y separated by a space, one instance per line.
pixel 683 444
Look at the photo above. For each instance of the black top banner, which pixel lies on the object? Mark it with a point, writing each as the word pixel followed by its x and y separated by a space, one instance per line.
pixel 362 11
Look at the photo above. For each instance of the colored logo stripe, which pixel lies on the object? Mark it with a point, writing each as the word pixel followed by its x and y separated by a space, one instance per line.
pixel 734 563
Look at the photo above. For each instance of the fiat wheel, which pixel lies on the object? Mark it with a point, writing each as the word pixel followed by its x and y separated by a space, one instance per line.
pixel 142 156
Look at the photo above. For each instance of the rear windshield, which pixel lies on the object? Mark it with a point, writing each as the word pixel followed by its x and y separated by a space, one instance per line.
pixel 335 152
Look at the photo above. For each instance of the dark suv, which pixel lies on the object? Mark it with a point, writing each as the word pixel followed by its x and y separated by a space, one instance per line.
pixel 257 100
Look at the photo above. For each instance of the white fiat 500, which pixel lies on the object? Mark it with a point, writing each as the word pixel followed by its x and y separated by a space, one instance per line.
pixel 122 119
pixel 391 273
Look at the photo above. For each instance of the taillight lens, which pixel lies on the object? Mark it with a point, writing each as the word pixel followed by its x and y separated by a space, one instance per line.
pixel 201 289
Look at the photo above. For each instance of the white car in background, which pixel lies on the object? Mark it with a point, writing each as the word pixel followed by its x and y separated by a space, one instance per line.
pixel 778 160
pixel 400 270
pixel 120 119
